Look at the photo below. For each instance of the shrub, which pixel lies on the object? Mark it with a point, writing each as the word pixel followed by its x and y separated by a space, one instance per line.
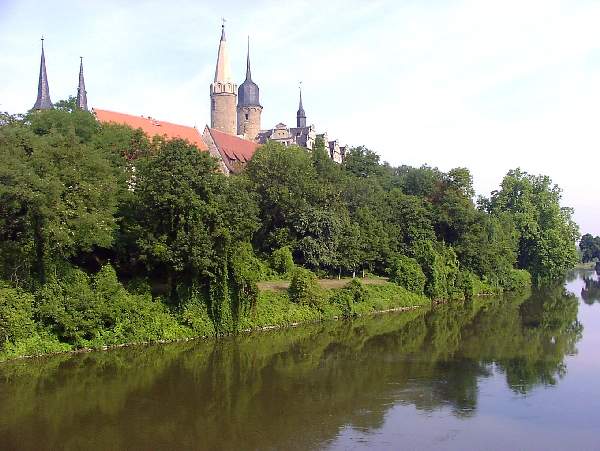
pixel 357 290
pixel 16 311
pixel 304 288
pixel 518 278
pixel 245 271
pixel 282 260
pixel 97 311
pixel 407 273
pixel 466 284
pixel 440 266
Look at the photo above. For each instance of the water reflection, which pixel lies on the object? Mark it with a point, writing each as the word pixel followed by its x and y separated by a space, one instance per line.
pixel 291 389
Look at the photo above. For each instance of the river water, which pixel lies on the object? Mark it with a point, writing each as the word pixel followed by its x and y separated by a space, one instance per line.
pixel 516 373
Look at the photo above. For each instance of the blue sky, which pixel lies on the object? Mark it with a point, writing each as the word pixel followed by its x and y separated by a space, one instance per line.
pixel 490 85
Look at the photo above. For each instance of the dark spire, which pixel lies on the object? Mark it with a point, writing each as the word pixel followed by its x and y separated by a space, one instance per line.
pixel 248 92
pixel 248 73
pixel 43 101
pixel 300 114
pixel 81 92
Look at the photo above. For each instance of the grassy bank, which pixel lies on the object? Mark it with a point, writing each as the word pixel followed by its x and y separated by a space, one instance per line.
pixel 108 315
pixel 146 320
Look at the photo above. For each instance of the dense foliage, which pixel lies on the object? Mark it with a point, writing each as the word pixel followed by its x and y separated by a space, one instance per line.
pixel 590 248
pixel 107 236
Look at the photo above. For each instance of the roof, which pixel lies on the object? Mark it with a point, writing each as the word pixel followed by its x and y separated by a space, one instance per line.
pixel 152 127
pixel 233 147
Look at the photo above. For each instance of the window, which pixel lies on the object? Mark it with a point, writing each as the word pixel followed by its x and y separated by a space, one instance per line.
pixel 246 116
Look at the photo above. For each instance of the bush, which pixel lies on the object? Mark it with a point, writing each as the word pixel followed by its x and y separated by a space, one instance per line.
pixel 16 312
pixel 304 288
pixel 98 311
pixel 466 284
pixel 245 271
pixel 518 278
pixel 440 266
pixel 407 273
pixel 353 293
pixel 282 260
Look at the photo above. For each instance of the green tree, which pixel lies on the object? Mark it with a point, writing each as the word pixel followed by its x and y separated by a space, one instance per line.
pixel 590 248
pixel 547 231
pixel 58 194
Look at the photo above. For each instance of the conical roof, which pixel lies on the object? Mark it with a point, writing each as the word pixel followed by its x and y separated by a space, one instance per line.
pixel 81 92
pixel 43 101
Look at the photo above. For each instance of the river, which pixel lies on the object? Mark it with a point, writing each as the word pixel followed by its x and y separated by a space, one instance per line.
pixel 521 372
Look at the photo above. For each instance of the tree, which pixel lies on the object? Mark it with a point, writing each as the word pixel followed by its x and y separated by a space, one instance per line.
pixel 590 248
pixel 57 196
pixel 174 218
pixel 547 232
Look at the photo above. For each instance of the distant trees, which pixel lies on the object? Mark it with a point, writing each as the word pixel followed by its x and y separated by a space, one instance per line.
pixel 590 248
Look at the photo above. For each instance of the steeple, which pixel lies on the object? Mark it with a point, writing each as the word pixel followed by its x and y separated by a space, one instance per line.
pixel 222 71
pixel 248 73
pixel 248 94
pixel 300 114
pixel 248 107
pixel 81 92
pixel 43 101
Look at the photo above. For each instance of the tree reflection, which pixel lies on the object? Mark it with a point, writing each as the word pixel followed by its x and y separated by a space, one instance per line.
pixel 259 391
pixel 590 293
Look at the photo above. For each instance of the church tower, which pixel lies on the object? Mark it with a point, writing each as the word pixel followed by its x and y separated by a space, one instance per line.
pixel 248 109
pixel 223 92
pixel 43 101
pixel 81 92
pixel 300 114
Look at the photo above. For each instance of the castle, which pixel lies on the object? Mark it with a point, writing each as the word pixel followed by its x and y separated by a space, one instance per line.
pixel 235 117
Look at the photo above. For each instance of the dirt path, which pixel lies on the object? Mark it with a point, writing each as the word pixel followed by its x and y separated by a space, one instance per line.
pixel 279 285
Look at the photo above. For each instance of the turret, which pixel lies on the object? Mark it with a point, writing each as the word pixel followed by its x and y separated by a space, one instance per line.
pixel 43 101
pixel 81 92
pixel 223 92
pixel 248 108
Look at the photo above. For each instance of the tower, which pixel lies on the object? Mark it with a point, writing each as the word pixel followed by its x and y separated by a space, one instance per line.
pixel 43 101
pixel 248 108
pixel 81 92
pixel 300 114
pixel 223 92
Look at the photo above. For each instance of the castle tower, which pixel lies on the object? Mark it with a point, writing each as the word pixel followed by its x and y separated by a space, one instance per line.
pixel 248 109
pixel 223 93
pixel 43 101
pixel 300 114
pixel 81 92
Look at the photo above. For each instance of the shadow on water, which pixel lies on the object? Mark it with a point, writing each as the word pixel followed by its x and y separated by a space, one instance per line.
pixel 292 389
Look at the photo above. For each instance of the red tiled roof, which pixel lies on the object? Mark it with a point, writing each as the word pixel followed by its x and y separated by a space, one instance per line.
pixel 235 148
pixel 152 126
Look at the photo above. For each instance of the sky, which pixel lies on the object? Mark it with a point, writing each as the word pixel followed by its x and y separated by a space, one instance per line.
pixel 488 85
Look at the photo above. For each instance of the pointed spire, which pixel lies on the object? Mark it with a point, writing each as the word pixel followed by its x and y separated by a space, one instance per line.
pixel 222 71
pixel 43 101
pixel 81 92
pixel 300 114
pixel 248 73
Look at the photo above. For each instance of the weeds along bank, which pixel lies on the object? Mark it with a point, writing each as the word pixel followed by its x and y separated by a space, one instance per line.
pixel 108 236
pixel 79 311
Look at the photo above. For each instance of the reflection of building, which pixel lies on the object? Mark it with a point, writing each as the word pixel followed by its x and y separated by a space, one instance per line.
pixel 235 117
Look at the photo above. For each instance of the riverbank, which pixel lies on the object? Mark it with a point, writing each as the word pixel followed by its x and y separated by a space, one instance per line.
pixel 274 309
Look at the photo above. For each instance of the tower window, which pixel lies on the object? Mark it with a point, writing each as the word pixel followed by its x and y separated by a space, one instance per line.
pixel 246 116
